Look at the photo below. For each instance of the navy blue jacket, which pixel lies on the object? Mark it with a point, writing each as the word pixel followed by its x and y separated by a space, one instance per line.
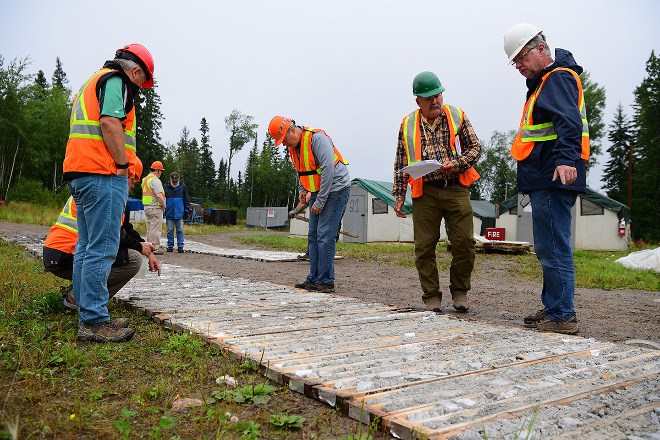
pixel 557 102
pixel 177 200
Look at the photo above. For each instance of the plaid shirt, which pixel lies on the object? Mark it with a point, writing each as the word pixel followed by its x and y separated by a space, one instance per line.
pixel 435 145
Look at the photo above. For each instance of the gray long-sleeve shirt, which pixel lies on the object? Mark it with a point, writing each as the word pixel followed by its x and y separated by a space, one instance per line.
pixel 333 177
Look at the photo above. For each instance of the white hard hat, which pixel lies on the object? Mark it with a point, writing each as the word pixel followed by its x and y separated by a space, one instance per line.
pixel 517 37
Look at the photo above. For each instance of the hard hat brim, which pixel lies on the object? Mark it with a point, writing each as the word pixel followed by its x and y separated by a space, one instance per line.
pixel 431 92
pixel 285 128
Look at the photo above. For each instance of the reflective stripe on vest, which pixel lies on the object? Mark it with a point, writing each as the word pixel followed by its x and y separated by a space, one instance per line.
pixel 86 149
pixel 412 143
pixel 67 218
pixel 531 133
pixel 305 163
pixel 148 194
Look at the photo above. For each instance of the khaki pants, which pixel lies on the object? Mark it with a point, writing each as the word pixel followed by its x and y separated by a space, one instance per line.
pixel 452 204
pixel 154 218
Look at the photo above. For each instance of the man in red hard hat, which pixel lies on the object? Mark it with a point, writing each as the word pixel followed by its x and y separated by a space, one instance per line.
pixel 153 199
pixel 100 146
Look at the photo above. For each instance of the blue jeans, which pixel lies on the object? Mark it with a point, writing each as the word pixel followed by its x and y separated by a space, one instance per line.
pixel 171 224
pixel 551 223
pixel 321 242
pixel 100 202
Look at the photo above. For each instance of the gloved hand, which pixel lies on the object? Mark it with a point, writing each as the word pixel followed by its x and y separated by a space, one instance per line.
pixel 185 214
pixel 292 213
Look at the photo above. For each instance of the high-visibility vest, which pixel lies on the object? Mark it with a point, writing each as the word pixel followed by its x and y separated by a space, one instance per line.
pixel 148 194
pixel 86 151
pixel 412 143
pixel 308 171
pixel 63 234
pixel 530 133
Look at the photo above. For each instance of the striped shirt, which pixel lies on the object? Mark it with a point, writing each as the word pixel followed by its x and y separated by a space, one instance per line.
pixel 435 145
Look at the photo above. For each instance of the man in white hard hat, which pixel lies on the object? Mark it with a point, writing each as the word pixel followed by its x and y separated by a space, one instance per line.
pixel 551 149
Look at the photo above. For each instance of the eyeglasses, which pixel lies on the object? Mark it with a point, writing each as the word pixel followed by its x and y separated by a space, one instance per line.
pixel 520 58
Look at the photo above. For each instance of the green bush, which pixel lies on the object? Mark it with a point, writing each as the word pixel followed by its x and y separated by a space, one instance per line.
pixel 29 190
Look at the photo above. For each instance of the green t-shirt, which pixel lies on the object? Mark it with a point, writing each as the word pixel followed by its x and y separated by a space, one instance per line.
pixel 112 97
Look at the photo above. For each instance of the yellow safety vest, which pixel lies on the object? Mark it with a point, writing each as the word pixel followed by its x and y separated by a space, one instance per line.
pixel 305 162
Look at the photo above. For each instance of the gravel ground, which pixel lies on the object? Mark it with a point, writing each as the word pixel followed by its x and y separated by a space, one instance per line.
pixel 498 294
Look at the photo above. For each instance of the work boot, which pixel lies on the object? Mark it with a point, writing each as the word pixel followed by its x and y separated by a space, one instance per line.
pixel 434 304
pixel 68 299
pixel 302 285
pixel 565 327
pixel 318 287
pixel 304 256
pixel 104 332
pixel 170 249
pixel 533 319
pixel 180 250
pixel 118 322
pixel 461 303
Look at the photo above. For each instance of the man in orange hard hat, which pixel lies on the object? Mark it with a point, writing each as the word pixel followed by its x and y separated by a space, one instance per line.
pixel 100 146
pixel 153 199
pixel 324 184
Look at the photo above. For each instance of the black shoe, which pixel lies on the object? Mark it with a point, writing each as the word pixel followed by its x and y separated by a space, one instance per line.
pixel 304 256
pixel 170 250
pixel 180 250
pixel 302 285
pixel 325 288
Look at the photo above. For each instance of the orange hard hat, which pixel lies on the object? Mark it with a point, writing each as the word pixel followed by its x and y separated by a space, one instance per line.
pixel 139 54
pixel 158 165
pixel 135 168
pixel 278 127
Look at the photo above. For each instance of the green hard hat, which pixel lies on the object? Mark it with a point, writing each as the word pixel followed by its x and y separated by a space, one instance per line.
pixel 427 84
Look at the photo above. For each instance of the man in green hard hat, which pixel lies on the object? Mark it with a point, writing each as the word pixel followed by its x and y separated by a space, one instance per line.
pixel 440 132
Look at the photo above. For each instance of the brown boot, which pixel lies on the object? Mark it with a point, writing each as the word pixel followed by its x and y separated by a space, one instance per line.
pixel 461 303
pixel 564 327
pixel 104 332
pixel 533 319
pixel 434 304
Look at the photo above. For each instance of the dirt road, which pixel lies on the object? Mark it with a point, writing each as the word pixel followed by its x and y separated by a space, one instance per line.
pixel 498 294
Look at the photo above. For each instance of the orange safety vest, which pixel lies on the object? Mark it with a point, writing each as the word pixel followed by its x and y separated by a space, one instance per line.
pixel 63 234
pixel 305 163
pixel 86 150
pixel 529 133
pixel 412 143
pixel 148 194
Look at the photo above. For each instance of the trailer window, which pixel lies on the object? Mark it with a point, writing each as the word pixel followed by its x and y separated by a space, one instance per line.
pixel 378 206
pixel 590 208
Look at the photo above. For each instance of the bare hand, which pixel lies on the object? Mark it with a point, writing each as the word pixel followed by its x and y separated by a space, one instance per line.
pixel 397 209
pixel 566 174
pixel 154 265
pixel 448 167
pixel 147 248
pixel 316 210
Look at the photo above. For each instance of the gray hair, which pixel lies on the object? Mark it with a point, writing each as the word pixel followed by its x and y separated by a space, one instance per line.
pixel 539 39
pixel 127 64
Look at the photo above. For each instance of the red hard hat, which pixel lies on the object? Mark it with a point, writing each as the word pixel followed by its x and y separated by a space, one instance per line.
pixel 278 127
pixel 139 54
pixel 158 165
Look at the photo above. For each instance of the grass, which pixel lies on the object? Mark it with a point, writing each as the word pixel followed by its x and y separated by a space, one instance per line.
pixel 55 387
pixel 29 213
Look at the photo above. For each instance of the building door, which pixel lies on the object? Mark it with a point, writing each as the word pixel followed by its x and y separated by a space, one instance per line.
pixel 355 219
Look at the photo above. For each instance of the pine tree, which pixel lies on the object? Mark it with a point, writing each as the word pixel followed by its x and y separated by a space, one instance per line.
pixel 41 84
pixel 594 100
pixel 206 164
pixel 149 124
pixel 59 77
pixel 615 174
pixel 646 178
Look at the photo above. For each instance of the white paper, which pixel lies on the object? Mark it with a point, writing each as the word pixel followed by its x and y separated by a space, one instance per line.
pixel 421 168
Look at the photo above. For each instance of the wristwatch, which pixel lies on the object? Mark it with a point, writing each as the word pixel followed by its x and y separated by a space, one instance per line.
pixel 121 166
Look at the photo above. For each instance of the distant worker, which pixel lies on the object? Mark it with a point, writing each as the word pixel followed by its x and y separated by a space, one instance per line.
pixel 101 142
pixel 444 133
pixel 153 199
pixel 177 209
pixel 552 148
pixel 58 250
pixel 324 185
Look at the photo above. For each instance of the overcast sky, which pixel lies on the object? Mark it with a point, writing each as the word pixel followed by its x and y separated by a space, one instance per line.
pixel 343 65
